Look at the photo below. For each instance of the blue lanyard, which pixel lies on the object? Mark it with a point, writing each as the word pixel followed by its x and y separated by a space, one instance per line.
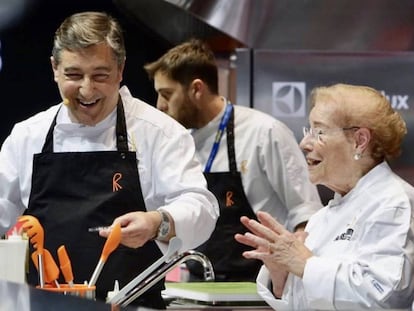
pixel 219 134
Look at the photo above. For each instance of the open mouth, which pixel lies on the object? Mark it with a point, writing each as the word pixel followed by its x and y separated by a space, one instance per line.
pixel 88 104
pixel 312 162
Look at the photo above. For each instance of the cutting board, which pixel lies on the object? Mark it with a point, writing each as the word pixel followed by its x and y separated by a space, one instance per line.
pixel 215 292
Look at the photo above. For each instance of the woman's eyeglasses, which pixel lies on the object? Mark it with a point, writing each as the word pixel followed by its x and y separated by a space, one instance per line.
pixel 317 133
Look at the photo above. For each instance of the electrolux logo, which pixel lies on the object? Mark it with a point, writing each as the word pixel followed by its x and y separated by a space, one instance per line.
pixel 398 101
pixel 289 99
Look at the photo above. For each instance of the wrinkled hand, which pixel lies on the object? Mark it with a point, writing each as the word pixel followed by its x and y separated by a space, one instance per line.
pixel 278 248
pixel 136 227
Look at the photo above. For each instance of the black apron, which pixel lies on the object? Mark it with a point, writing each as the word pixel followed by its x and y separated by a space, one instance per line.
pixel 73 191
pixel 224 252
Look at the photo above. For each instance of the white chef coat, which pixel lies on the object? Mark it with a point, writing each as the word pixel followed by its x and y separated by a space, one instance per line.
pixel 363 246
pixel 170 175
pixel 272 166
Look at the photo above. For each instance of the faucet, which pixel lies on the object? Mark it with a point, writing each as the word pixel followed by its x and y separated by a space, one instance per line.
pixel 148 278
pixel 195 255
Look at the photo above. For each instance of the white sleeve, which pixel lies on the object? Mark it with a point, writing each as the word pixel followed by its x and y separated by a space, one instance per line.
pixel 9 189
pixel 263 283
pixel 321 271
pixel 179 180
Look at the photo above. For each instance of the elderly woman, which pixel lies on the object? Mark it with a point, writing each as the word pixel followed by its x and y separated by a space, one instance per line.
pixel 357 252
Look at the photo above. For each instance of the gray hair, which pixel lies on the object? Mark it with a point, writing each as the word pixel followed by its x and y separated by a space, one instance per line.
pixel 84 29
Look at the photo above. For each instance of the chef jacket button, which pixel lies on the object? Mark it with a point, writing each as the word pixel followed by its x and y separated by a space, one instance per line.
pixel 121 137
pixel 123 155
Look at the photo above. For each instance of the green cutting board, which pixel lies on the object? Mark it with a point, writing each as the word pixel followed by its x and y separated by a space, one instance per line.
pixel 214 292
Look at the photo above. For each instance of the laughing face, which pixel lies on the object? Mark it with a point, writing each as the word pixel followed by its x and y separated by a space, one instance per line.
pixel 88 81
pixel 329 149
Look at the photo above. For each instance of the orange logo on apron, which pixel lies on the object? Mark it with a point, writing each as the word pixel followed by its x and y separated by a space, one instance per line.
pixel 115 179
pixel 229 201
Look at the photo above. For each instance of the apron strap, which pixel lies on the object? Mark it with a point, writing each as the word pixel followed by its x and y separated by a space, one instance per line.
pixel 121 131
pixel 230 144
pixel 48 145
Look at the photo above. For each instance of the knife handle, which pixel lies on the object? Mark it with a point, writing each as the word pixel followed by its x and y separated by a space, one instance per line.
pixel 65 265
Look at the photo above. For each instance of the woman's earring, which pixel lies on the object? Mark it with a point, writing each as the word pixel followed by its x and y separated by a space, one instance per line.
pixel 357 156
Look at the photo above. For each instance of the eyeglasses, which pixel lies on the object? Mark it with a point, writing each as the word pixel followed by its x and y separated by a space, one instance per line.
pixel 317 133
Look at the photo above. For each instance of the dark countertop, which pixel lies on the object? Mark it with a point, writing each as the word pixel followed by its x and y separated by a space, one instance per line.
pixel 22 297
pixel 194 307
